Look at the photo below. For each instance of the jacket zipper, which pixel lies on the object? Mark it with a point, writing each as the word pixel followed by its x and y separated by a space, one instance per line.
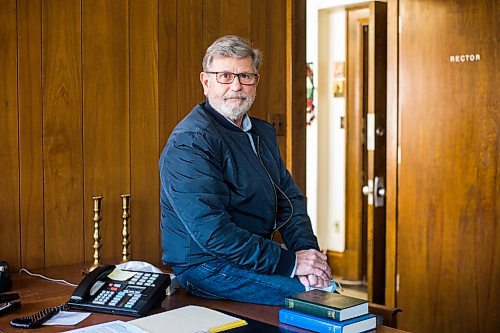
pixel 276 227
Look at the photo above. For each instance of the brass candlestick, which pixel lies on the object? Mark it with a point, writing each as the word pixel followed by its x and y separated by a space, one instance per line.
pixel 125 231
pixel 97 237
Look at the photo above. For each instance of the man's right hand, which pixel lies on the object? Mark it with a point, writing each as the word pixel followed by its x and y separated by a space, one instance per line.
pixel 313 281
pixel 313 262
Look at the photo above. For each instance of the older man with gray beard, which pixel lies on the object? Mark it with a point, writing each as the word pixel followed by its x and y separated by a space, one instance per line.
pixel 225 192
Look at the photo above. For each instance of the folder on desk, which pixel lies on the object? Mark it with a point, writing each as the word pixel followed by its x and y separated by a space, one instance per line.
pixel 188 319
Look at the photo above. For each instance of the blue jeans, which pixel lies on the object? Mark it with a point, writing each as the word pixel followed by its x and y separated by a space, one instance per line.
pixel 219 279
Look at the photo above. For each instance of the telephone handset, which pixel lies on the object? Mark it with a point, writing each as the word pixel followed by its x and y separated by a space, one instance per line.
pixel 133 296
pixel 91 283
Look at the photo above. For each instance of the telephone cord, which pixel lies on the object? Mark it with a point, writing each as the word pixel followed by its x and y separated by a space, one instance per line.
pixel 46 278
pixel 37 319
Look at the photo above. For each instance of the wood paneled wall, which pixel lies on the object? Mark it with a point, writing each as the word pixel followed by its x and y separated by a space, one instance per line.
pixel 89 93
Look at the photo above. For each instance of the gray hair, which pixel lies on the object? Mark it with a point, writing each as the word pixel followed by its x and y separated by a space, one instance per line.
pixel 231 46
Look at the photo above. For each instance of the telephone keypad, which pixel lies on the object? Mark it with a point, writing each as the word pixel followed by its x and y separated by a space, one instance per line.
pixel 103 297
pixel 125 295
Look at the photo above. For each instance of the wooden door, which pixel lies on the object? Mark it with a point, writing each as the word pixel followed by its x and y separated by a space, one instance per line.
pixel 448 249
pixel 366 147
pixel 376 151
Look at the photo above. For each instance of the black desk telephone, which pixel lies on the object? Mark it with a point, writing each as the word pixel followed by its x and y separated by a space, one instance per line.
pixel 98 293
pixel 133 297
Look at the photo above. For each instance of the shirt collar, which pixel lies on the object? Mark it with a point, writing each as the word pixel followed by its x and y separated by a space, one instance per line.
pixel 246 123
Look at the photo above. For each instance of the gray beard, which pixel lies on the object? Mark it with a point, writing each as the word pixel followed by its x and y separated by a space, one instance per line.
pixel 230 113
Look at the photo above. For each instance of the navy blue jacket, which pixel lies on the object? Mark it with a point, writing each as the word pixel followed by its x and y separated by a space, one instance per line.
pixel 221 200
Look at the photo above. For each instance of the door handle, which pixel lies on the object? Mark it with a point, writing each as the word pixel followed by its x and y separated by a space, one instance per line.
pixel 378 192
pixel 375 191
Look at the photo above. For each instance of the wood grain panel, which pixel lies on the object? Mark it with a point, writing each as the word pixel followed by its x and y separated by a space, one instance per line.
pixel 448 232
pixel 30 128
pixel 9 178
pixel 144 130
pixel 236 18
pixel 260 36
pixel 271 92
pixel 189 55
pixel 276 69
pixel 62 132
pixel 74 113
pixel 167 70
pixel 106 119
pixel 211 22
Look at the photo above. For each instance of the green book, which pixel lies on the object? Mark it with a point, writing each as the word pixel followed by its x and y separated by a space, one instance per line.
pixel 328 305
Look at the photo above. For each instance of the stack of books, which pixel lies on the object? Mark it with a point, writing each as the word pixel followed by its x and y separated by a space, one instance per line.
pixel 322 311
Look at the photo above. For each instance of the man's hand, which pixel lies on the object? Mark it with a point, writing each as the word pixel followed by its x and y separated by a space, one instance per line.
pixel 312 265
pixel 313 281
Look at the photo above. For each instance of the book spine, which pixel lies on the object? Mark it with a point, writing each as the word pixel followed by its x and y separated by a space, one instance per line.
pixel 313 309
pixel 306 322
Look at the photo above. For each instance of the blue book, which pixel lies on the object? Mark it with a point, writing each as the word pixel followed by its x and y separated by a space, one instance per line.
pixel 362 323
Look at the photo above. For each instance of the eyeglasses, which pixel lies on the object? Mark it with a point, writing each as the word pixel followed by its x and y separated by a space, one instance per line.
pixel 246 79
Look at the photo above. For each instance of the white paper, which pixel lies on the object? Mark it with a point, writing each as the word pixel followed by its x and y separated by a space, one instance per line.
pixel 142 266
pixel 67 318
pixel 187 319
pixel 116 326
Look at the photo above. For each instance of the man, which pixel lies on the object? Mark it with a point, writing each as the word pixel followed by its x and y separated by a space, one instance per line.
pixel 225 192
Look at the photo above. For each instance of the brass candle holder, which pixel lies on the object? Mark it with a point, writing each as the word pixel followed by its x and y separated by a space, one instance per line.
pixel 125 230
pixel 97 237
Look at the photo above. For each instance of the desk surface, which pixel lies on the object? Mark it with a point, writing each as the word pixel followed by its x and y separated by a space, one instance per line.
pixel 37 294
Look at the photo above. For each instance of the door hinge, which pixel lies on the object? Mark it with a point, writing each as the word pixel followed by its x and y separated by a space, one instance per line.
pixel 400 24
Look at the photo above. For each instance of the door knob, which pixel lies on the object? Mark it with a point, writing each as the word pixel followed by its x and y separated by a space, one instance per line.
pixel 367 190
pixel 381 192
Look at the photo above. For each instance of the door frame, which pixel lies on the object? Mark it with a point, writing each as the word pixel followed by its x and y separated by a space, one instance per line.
pixel 392 152
pixel 356 18
pixel 295 118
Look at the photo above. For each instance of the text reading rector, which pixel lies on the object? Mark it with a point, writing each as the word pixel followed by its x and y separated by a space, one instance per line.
pixel 225 191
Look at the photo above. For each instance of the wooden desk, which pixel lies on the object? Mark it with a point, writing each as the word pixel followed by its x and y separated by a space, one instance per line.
pixel 37 294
